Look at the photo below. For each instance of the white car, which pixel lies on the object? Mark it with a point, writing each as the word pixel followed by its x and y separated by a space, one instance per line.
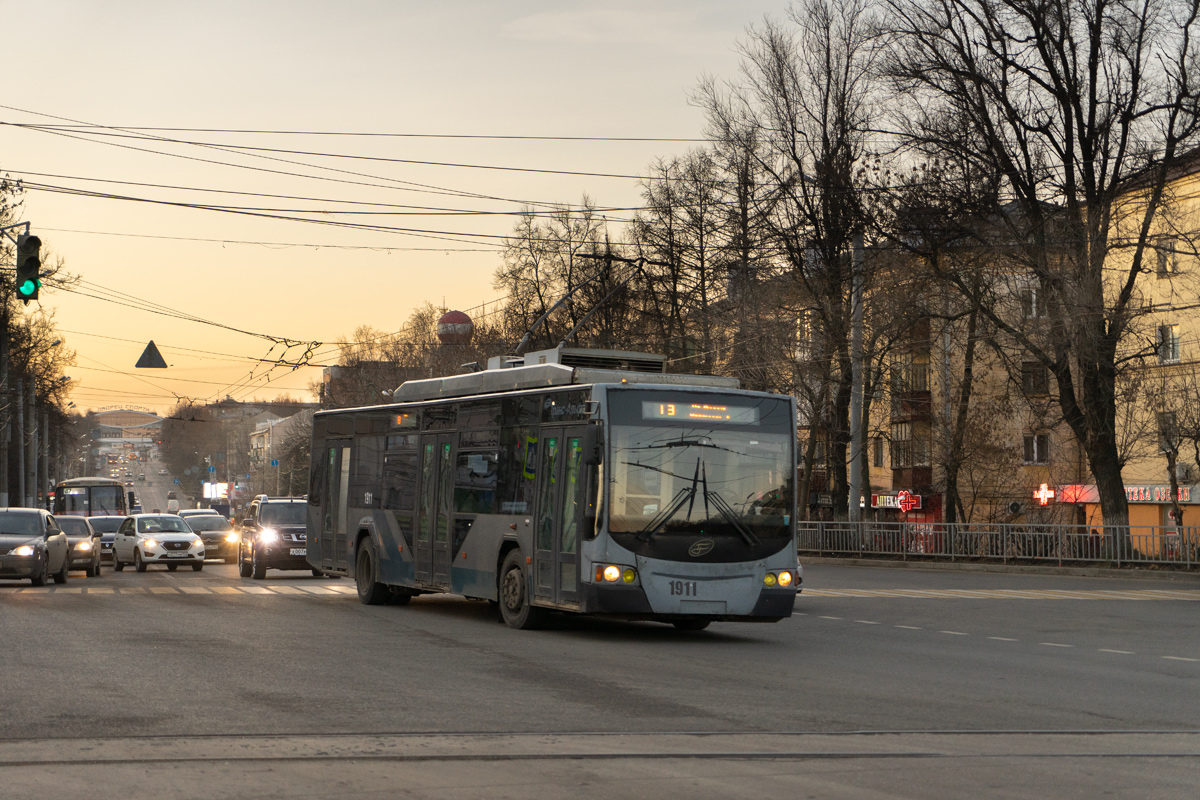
pixel 157 539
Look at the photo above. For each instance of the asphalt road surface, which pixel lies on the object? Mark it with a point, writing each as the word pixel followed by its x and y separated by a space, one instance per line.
pixel 886 683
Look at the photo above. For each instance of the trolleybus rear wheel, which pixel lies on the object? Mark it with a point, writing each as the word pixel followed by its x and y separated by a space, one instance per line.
pixel 514 595
pixel 370 591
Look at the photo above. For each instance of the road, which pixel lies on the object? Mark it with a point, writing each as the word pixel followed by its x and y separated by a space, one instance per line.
pixel 886 684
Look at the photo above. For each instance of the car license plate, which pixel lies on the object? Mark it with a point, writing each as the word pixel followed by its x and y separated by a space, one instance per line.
pixel 299 551
pixel 177 555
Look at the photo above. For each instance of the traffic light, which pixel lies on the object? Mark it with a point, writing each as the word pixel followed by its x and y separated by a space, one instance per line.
pixel 29 266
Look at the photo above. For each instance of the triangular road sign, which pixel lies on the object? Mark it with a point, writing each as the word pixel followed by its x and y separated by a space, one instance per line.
pixel 151 358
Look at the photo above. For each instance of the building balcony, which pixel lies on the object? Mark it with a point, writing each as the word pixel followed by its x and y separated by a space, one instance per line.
pixel 912 406
pixel 917 480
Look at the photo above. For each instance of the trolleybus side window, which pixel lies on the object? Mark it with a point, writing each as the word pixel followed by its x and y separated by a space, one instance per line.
pixel 518 468
pixel 400 490
pixel 368 467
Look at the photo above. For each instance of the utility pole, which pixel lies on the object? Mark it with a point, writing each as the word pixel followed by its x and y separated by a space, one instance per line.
pixel 31 453
pixel 19 430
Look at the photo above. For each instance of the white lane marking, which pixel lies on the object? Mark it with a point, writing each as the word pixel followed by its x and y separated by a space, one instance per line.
pixel 908 627
pixel 865 622
pixel 1054 644
pixel 955 633
pixel 99 590
pixel 163 590
pixel 1180 658
pixel 1003 639
pixel 195 590
pixel 824 617
pixel 1118 652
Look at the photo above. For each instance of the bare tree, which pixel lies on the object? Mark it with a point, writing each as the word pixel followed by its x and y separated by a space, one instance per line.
pixel 1081 109
pixel 805 101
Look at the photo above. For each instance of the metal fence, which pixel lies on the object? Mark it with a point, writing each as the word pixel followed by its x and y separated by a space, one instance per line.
pixel 1006 543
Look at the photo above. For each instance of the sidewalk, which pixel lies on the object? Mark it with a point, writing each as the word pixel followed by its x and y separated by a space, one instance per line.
pixel 1141 573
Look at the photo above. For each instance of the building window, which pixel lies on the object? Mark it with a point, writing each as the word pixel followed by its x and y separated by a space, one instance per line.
pixel 1037 448
pixel 910 373
pixel 1167 256
pixel 1033 304
pixel 909 448
pixel 877 452
pixel 1035 378
pixel 1168 344
pixel 804 336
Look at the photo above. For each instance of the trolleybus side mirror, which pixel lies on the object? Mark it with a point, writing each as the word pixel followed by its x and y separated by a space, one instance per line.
pixel 593 445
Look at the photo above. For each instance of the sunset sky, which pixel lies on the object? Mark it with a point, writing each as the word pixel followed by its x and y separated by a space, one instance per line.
pixel 446 83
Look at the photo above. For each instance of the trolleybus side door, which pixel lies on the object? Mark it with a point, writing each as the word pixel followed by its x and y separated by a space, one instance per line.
pixel 555 538
pixel 334 543
pixel 431 547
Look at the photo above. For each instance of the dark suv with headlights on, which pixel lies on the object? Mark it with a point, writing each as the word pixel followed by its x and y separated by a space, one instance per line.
pixel 85 543
pixel 33 546
pixel 274 537
pixel 220 539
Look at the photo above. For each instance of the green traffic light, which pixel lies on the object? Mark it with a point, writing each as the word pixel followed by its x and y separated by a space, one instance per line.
pixel 28 288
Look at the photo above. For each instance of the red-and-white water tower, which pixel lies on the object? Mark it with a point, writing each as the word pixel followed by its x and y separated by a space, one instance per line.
pixel 455 327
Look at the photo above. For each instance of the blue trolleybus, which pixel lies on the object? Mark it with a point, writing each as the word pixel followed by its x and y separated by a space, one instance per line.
pixel 572 480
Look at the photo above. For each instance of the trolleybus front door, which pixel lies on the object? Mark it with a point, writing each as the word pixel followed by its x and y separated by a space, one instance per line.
pixel 334 546
pixel 431 548
pixel 556 536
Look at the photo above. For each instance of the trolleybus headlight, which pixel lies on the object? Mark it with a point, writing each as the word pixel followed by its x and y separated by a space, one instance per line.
pixel 769 579
pixel 785 578
pixel 611 573
pixel 629 576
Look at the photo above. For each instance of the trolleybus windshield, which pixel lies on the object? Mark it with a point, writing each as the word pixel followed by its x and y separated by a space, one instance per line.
pixel 90 500
pixel 696 476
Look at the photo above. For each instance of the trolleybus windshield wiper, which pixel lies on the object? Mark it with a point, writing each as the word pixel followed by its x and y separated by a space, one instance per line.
pixel 685 495
pixel 727 512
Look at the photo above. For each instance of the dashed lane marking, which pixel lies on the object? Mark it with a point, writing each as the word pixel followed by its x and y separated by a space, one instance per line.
pixel 1013 594
pixel 176 590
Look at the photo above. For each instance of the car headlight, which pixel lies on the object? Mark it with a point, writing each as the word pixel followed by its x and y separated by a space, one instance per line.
pixel 198 543
pixel 149 543
pixel 232 538
pixel 24 550
pixel 268 535
pixel 84 546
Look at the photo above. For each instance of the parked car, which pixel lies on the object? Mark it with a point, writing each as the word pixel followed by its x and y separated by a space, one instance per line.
pixel 107 528
pixel 274 537
pixel 32 545
pixel 84 542
pixel 157 539
pixel 220 539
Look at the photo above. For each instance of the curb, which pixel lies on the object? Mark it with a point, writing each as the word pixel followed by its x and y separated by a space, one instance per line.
pixel 1011 569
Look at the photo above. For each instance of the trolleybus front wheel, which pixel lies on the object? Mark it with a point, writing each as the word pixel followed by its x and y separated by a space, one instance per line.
pixel 514 595
pixel 370 591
